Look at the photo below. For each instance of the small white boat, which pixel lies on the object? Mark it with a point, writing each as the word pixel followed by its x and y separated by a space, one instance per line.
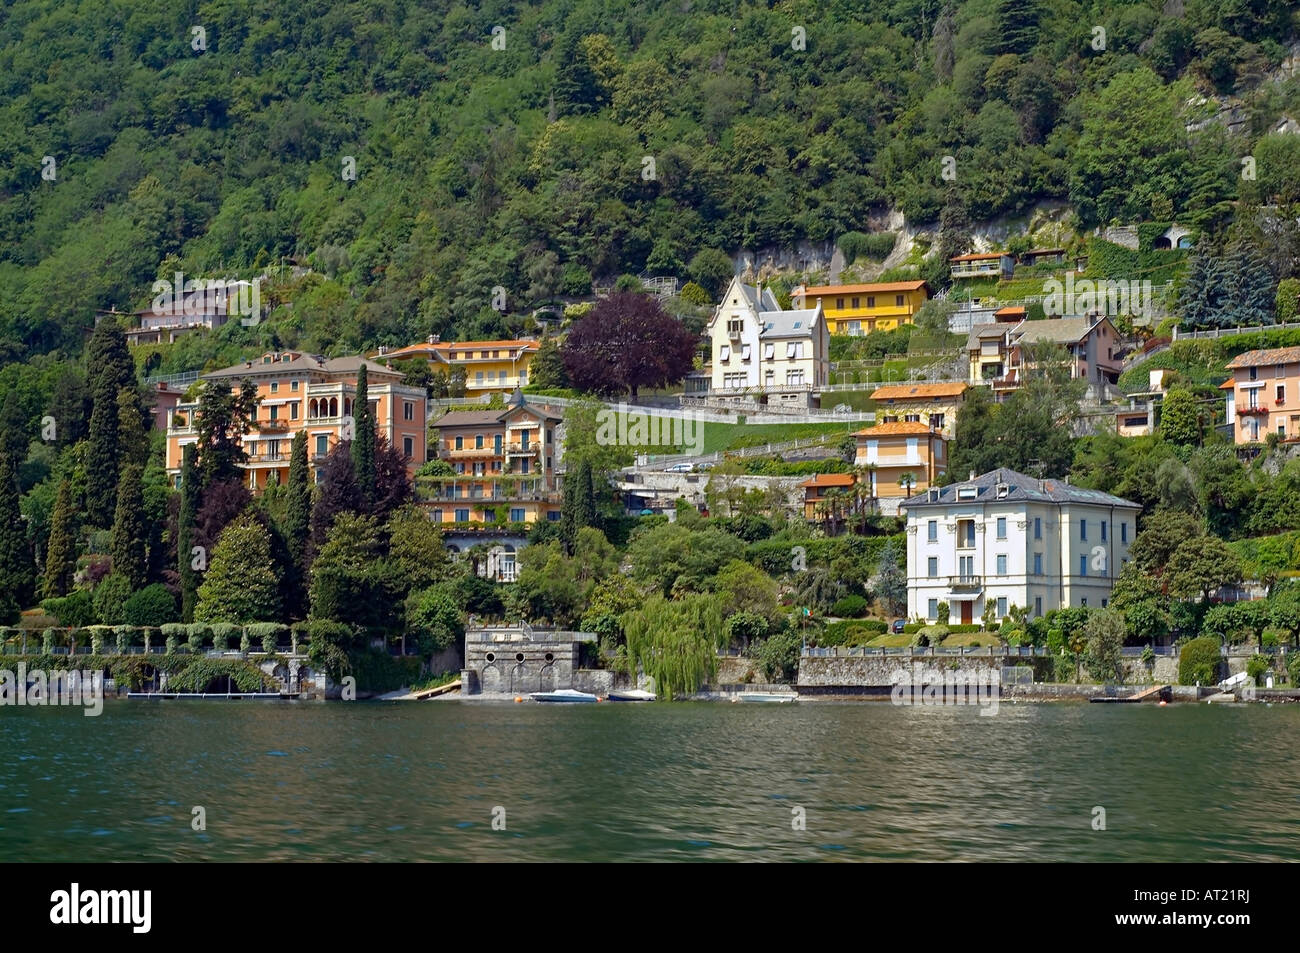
pixel 776 698
pixel 632 695
pixel 563 695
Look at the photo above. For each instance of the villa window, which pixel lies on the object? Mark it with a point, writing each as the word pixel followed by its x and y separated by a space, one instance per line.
pixel 1002 607
pixel 460 443
pixel 1038 527
pixel 898 301
pixel 839 303
pixel 275 387
pixel 871 301
pixel 408 447
pixel 855 302
pixel 408 410
pixel 1002 565
pixel 1103 531
pixel 293 386
pixel 932 531
pixel 1123 532
pixel 744 352
pixel 293 410
pixel 932 609
pixel 769 352
pixel 517 514
pixel 1038 564
pixel 1038 607
pixel 724 352
pixel 462 516
pixel 965 534
pixel 1083 564
pixel 932 567
pixel 1083 530
pixel 1002 527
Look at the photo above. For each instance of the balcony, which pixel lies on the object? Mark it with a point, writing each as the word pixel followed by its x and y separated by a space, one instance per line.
pixel 1248 411
pixel 272 426
pixel 519 450
pixel 484 451
pixel 268 457
pixel 965 582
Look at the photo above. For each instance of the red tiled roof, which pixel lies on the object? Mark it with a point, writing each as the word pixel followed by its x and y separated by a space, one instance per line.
pixel 1266 358
pixel 906 391
pixel 830 479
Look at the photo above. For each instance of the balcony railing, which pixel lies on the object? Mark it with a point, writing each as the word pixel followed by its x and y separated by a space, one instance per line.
pixel 268 457
pixel 964 582
pixel 274 426
pixel 518 449
pixel 1258 409
pixel 484 451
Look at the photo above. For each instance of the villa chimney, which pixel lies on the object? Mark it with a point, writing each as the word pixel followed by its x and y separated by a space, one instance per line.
pixel 383 349
pixel 972 475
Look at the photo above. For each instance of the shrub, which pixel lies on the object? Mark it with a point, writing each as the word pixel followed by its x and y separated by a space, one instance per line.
pixel 267 634
pixel 1063 668
pixel 934 634
pixel 152 605
pixel 1257 667
pixel 1293 669
pixel 942 613
pixel 222 633
pixel 299 635
pixel 850 607
pixel 169 646
pixel 123 636
pixel 97 634
pixel 197 633
pixel 47 642
pixel 245 643
pixel 73 610
pixel 1200 662
pixel 110 599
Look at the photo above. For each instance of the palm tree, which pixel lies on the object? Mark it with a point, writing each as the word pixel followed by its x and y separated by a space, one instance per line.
pixel 908 482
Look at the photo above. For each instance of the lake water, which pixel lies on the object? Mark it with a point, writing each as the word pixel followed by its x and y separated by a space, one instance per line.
pixel 421 781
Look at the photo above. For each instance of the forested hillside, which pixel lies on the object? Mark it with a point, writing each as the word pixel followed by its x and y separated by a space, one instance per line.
pixel 580 140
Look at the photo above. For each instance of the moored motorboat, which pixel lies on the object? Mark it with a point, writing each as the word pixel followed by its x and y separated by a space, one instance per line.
pixel 777 698
pixel 564 695
pixel 632 695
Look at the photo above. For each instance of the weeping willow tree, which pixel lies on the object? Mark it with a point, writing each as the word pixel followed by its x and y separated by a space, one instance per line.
pixel 675 641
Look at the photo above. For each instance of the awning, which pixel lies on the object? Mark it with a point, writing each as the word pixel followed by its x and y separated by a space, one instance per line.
pixel 964 596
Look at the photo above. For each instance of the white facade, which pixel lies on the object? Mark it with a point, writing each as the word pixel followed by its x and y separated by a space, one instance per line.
pixel 757 346
pixel 1008 539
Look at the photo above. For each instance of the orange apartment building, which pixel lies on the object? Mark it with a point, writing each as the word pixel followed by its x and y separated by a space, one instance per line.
pixel 504 460
pixel 298 391
pixel 902 457
pixel 1263 395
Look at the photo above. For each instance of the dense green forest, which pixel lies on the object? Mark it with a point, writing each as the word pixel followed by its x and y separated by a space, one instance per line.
pixel 540 146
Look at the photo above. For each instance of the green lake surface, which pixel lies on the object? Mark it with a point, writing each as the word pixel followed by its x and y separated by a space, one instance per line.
pixel 408 781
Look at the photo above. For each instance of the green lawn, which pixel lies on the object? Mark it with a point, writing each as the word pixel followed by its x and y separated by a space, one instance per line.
pixel 980 639
pixel 890 641
pixel 719 437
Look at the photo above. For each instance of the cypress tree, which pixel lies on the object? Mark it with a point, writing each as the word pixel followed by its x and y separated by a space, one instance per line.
pixel 585 505
pixel 569 511
pixel 132 440
pixel 108 357
pixel 129 548
pixel 363 440
pixel 103 454
pixel 297 525
pixel 185 523
pixel 61 553
pixel 17 570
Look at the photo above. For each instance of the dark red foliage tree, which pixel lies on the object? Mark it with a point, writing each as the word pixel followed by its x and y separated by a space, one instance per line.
pixel 392 482
pixel 627 342
pixel 339 493
pixel 220 503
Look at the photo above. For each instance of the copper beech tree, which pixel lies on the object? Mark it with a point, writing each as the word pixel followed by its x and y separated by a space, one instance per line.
pixel 625 343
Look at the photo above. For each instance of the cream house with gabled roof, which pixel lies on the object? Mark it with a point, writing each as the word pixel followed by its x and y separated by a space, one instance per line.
pixel 759 347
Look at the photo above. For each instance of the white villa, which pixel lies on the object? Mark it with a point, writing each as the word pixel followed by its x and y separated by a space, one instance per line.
pixel 1005 539
pixel 758 347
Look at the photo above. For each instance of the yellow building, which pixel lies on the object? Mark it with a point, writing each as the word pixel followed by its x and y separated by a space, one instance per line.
pixel 935 405
pixel 490 367
pixel 861 309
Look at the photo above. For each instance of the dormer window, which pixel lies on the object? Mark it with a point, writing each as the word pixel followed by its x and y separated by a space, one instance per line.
pixel 967 493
